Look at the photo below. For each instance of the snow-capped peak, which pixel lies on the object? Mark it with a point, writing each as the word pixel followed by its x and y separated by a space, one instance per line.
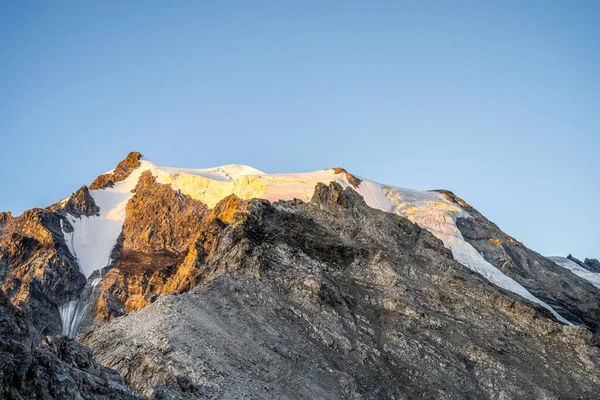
pixel 94 237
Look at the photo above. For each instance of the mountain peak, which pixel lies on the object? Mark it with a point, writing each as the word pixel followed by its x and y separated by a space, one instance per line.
pixel 122 171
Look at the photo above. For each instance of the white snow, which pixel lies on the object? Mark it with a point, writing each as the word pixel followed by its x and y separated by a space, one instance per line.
pixel 592 277
pixel 212 185
pixel 94 237
pixel 430 210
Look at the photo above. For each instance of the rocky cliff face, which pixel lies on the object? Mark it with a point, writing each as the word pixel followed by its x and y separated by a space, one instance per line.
pixel 164 239
pixel 335 295
pixel 122 171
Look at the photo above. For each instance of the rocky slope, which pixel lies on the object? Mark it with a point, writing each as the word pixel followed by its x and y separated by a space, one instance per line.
pixel 573 297
pixel 230 283
pixel 333 299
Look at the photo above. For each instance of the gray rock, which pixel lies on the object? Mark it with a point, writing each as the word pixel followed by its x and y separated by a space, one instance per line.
pixel 592 264
pixel 58 369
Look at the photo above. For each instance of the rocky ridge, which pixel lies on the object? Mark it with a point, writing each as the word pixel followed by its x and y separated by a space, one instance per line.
pixel 590 264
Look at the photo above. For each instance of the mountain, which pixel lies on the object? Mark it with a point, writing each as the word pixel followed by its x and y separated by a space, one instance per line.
pixel 229 282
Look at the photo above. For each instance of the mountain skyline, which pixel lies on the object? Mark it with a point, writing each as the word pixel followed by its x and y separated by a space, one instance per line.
pixel 496 102
pixel 178 283
pixel 564 254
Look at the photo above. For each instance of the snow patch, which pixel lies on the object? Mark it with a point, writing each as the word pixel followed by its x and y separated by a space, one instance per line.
pixel 94 237
pixel 214 184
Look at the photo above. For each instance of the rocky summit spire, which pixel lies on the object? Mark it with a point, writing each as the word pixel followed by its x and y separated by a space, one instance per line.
pixel 122 171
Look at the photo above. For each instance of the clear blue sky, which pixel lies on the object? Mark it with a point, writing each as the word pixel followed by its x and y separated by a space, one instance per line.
pixel 497 101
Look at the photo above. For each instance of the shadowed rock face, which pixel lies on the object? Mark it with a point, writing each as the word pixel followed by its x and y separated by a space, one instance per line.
pixel 592 264
pixel 81 203
pixel 332 300
pixel 571 296
pixel 58 369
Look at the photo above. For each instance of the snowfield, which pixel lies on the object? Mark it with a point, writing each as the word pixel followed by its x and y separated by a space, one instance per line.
pixel 94 237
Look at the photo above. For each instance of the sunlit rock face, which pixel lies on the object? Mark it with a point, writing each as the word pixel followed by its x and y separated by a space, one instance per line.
pixel 184 280
pixel 120 173
pixel 164 239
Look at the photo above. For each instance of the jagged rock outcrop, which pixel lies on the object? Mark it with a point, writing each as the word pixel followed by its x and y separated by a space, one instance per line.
pixel 37 272
pixel 122 171
pixel 592 264
pixel 570 295
pixel 81 203
pixel 4 218
pixel 333 299
pixel 58 369
pixel 589 264
pixel 353 180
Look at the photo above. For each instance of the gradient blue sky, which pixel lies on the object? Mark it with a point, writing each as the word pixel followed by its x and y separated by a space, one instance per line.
pixel 497 101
